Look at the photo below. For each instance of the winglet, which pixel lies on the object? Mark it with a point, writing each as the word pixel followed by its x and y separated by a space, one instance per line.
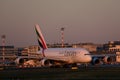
pixel 41 40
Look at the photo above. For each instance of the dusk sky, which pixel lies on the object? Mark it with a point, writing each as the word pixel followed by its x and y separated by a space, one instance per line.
pixel 96 21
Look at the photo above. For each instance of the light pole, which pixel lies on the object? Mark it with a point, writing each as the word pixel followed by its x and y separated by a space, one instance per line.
pixel 3 47
pixel 62 36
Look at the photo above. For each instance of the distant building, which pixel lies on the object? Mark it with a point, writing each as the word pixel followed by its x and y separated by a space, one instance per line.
pixel 33 49
pixel 8 50
pixel 118 57
pixel 19 51
pixel 59 45
pixel 9 54
pixel 110 47
pixel 30 50
pixel 24 52
pixel 89 46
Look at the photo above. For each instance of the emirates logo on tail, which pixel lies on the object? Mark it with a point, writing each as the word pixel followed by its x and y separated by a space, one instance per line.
pixel 41 40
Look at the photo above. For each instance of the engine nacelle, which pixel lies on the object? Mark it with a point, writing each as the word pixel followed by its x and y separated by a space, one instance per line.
pixel 107 59
pixel 95 61
pixel 20 60
pixel 46 62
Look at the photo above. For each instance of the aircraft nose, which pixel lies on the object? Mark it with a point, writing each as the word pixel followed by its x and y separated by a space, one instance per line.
pixel 89 58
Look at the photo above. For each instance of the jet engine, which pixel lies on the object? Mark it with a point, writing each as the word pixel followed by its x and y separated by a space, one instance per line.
pixel 95 61
pixel 46 62
pixel 20 60
pixel 107 59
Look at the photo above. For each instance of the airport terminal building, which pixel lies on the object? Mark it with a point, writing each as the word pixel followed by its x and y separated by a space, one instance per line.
pixel 110 47
pixel 9 53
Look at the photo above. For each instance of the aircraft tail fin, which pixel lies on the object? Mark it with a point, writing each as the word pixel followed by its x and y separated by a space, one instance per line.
pixel 41 40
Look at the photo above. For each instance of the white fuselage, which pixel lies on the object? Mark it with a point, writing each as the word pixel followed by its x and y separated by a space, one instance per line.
pixel 68 55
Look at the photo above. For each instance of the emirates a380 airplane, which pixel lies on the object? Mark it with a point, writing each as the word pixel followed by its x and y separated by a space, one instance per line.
pixel 63 56
pixel 60 56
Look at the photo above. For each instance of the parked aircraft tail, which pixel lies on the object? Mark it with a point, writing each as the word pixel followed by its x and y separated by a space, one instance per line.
pixel 41 40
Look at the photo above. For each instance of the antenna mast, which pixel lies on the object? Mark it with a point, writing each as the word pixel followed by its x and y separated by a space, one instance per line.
pixel 62 36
